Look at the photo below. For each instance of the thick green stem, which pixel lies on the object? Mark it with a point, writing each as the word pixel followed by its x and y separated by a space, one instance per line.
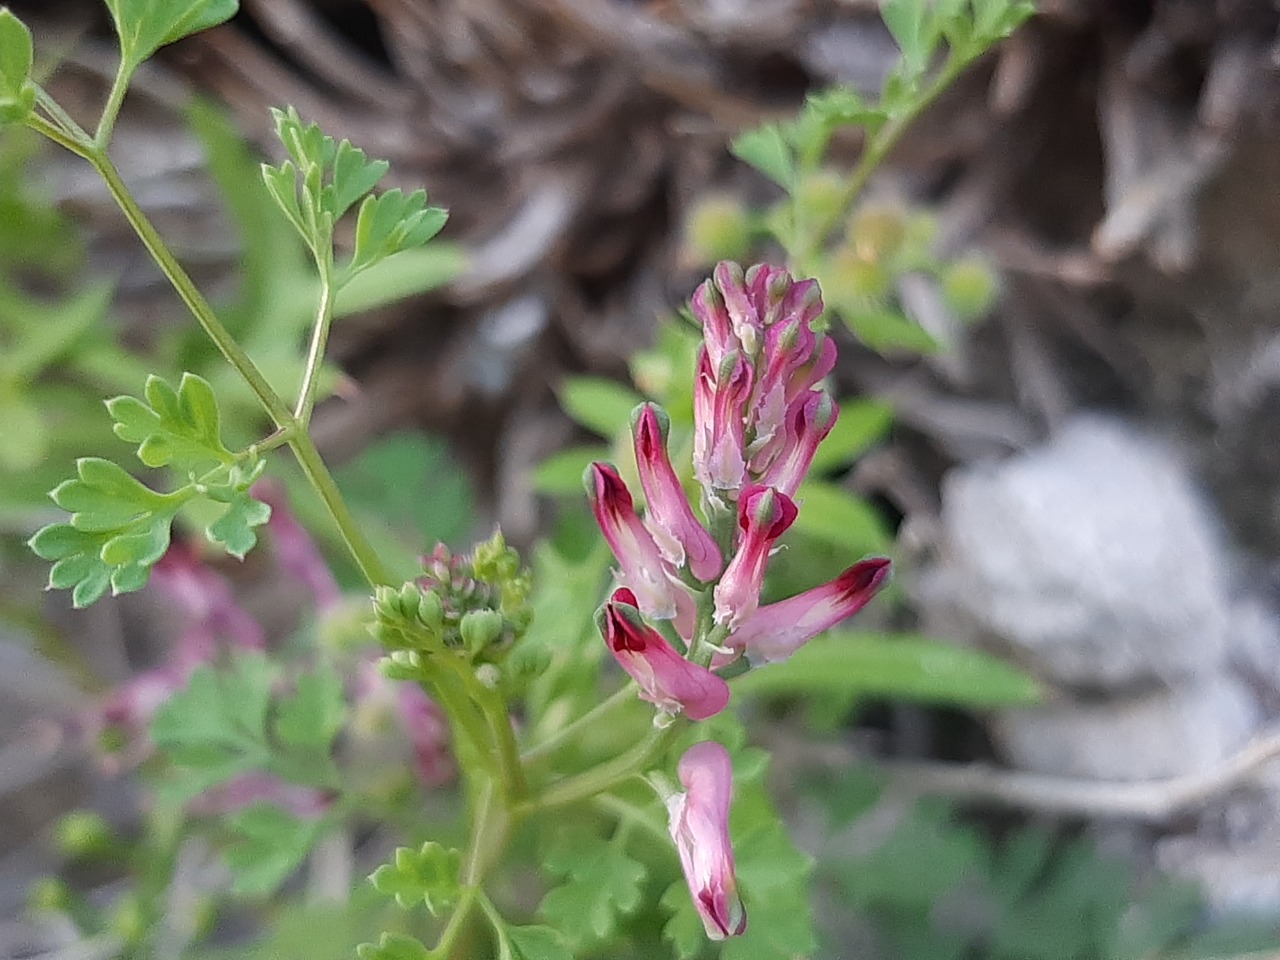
pixel 115 99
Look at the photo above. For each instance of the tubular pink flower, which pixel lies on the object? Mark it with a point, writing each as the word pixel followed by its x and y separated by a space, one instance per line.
pixel 717 332
pixel 720 400
pixel 427 728
pixel 764 514
pixel 700 828
pixel 808 426
pixel 666 679
pixel 680 537
pixel 641 565
pixel 744 319
pixel 209 602
pixel 775 632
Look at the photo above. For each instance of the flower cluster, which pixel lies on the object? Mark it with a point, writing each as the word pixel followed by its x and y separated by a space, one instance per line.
pixel 688 596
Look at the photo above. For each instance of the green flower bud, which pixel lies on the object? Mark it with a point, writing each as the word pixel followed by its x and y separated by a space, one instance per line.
pixel 718 228
pixel 84 834
pixel 817 198
pixel 479 629
pixel 49 894
pixel 877 233
pixel 129 919
pixel 969 287
pixel 407 600
pixel 431 611
pixel 857 279
pixel 401 665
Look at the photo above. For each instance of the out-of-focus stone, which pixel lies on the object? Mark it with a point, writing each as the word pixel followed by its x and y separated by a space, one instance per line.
pixel 1168 732
pixel 1092 559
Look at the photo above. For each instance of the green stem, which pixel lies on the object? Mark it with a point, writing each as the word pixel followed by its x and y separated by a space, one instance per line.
pixel 627 812
pixel 874 154
pixel 315 352
pixel 187 290
pixel 457 922
pixel 58 136
pixel 115 99
pixel 603 776
pixel 589 719
pixel 61 117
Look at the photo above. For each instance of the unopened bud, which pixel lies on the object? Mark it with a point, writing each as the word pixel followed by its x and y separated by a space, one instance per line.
pixel 407 600
pixel 479 629
pixel 49 894
pixel 877 234
pixel 83 834
pixel 718 228
pixel 969 287
pixel 431 610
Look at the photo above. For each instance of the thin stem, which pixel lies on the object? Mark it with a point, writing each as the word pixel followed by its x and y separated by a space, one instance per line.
pixel 628 812
pixel 187 290
pixel 457 921
pixel 61 117
pixel 603 776
pixel 115 99
pixel 589 719
pixel 878 147
pixel 315 352
pixel 57 135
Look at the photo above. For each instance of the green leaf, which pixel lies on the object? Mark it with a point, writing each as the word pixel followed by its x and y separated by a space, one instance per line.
pixel 561 473
pixel 216 726
pixel 235 528
pixel 995 19
pixel 843 107
pixel 601 884
pixel 144 26
pixel 893 666
pixel 602 406
pixel 536 943
pixel 908 21
pixel 411 273
pixel 766 149
pixel 119 528
pixel 393 946
pixel 885 330
pixel 17 92
pixel 24 439
pixel 429 875
pixel 861 424
pixel 305 724
pixel 391 222
pixel 179 428
pixel 834 515
pixel 270 844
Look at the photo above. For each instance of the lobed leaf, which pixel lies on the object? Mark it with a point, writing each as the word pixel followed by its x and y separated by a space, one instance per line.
pixel 393 946
pixel 430 874
pixel 270 844
pixel 766 148
pixel 535 943
pixel 144 26
pixel 180 428
pixel 601 884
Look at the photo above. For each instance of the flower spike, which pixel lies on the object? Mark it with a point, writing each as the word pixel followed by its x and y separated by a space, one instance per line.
pixel 700 829
pixel 666 679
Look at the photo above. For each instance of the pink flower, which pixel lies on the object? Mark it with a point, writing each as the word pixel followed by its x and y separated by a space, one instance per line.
pixel 427 728
pixel 776 631
pixel 807 426
pixel 764 514
pixel 666 679
pixel 700 829
pixel 642 567
pixel 679 535
pixel 760 362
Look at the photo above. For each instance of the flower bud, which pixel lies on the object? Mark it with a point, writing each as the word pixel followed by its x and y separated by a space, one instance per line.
pixel 83 835
pixel 480 629
pixel 969 288
pixel 718 228
pixel 431 611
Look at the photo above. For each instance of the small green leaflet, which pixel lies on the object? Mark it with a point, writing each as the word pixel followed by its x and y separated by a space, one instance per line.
pixel 270 844
pixel 429 874
pixel 601 883
pixel 17 92
pixel 178 427
pixel 324 178
pixel 602 406
pixel 393 946
pixel 118 529
pixel 910 22
pixel 532 943
pixel 766 148
pixel 144 26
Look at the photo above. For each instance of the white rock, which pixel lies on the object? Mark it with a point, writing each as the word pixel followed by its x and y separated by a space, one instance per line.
pixel 1092 559
pixel 1168 732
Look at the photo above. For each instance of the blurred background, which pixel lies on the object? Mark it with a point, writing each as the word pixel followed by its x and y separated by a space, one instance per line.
pixel 1080 476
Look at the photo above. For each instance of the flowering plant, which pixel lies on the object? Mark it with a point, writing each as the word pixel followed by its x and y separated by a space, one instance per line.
pixel 491 670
